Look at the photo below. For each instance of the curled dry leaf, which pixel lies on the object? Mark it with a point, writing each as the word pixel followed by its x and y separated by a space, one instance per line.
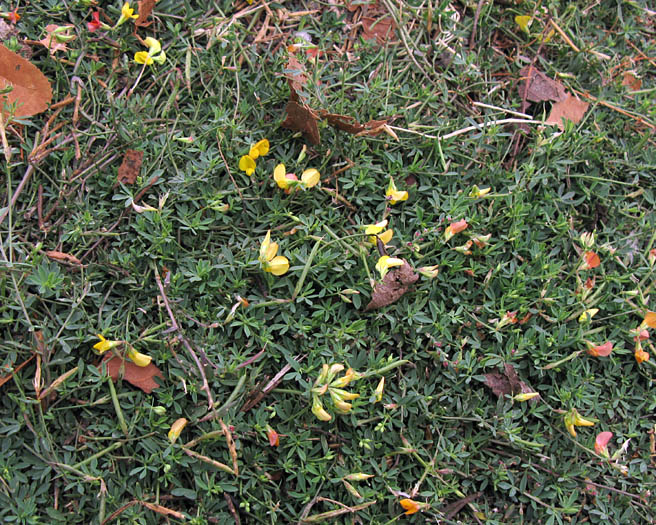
pixel 64 257
pixel 395 284
pixel 301 118
pixel 142 377
pixel 571 108
pixel 382 29
pixel 31 89
pixel 130 167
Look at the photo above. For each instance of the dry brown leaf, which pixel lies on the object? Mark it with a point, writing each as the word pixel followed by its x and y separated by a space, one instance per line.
pixel 630 81
pixel 50 40
pixel 295 74
pixel 130 167
pixel 571 108
pixel 395 284
pixel 31 89
pixel 302 118
pixel 144 8
pixel 142 377
pixel 382 29
pixel 507 383
pixel 540 87
pixel 64 257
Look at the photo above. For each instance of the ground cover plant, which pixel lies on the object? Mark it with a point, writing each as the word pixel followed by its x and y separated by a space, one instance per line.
pixel 327 262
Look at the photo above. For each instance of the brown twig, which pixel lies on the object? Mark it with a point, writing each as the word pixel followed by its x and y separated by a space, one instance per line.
pixel 270 386
pixel 477 14
pixel 218 143
pixel 176 328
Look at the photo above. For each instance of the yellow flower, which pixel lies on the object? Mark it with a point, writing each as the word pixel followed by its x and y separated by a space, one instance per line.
pixel 477 192
pixel 523 21
pixel 142 57
pixel 153 45
pixel 525 396
pixel 138 358
pixel 310 178
pixel 103 345
pixel 385 263
pixel 349 375
pixel 378 393
pixel 412 506
pixel 176 429
pixel 126 14
pixel 277 265
pixel 395 195
pixel 375 229
pixel 319 411
pixel 280 176
pixel 259 149
pixel 247 164
pixel 588 314
pixel 573 419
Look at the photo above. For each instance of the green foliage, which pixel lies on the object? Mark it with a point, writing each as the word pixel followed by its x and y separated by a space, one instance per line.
pixel 439 434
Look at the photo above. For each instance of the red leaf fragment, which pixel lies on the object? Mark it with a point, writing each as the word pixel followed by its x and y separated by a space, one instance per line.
pixel 142 377
pixel 64 257
pixel 31 89
pixel 130 167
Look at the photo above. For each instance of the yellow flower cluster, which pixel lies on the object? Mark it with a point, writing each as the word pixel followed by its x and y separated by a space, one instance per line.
pixel 247 162
pixel 289 182
pixel 328 383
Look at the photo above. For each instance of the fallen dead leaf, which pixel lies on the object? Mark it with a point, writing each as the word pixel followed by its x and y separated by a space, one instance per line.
pixel 395 284
pixel 50 41
pixel 31 89
pixel 508 383
pixel 571 108
pixel 142 377
pixel 540 87
pixel 295 74
pixel 382 29
pixel 629 80
pixel 64 257
pixel 130 167
pixel 144 8
pixel 301 118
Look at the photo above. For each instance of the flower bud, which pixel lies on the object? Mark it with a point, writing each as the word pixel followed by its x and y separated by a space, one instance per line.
pixel 319 411
pixel 159 410
pixel 176 429
pixel 587 239
pixel 429 271
pixel 525 396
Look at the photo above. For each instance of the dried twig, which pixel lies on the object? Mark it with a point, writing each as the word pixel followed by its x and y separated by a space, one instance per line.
pixel 176 328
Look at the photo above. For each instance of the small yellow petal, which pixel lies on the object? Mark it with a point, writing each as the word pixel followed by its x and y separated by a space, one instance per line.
pixel 176 429
pixel 271 251
pixel 588 314
pixel 153 45
pixel 310 177
pixel 386 236
pixel 138 358
pixel 264 247
pixel 259 149
pixel 142 57
pixel 523 21
pixel 247 164
pixel 373 229
pixel 319 411
pixel 278 265
pixel 280 176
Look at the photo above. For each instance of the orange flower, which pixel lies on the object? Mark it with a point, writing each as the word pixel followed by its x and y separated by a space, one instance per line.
pixel 601 443
pixel 640 355
pixel 411 506
pixel 455 227
pixel 274 439
pixel 649 320
pixel 600 350
pixel 590 260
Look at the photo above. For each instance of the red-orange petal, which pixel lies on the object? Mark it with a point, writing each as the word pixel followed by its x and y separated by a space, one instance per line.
pixel 601 350
pixel 602 441
pixel 650 319
pixel 591 260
